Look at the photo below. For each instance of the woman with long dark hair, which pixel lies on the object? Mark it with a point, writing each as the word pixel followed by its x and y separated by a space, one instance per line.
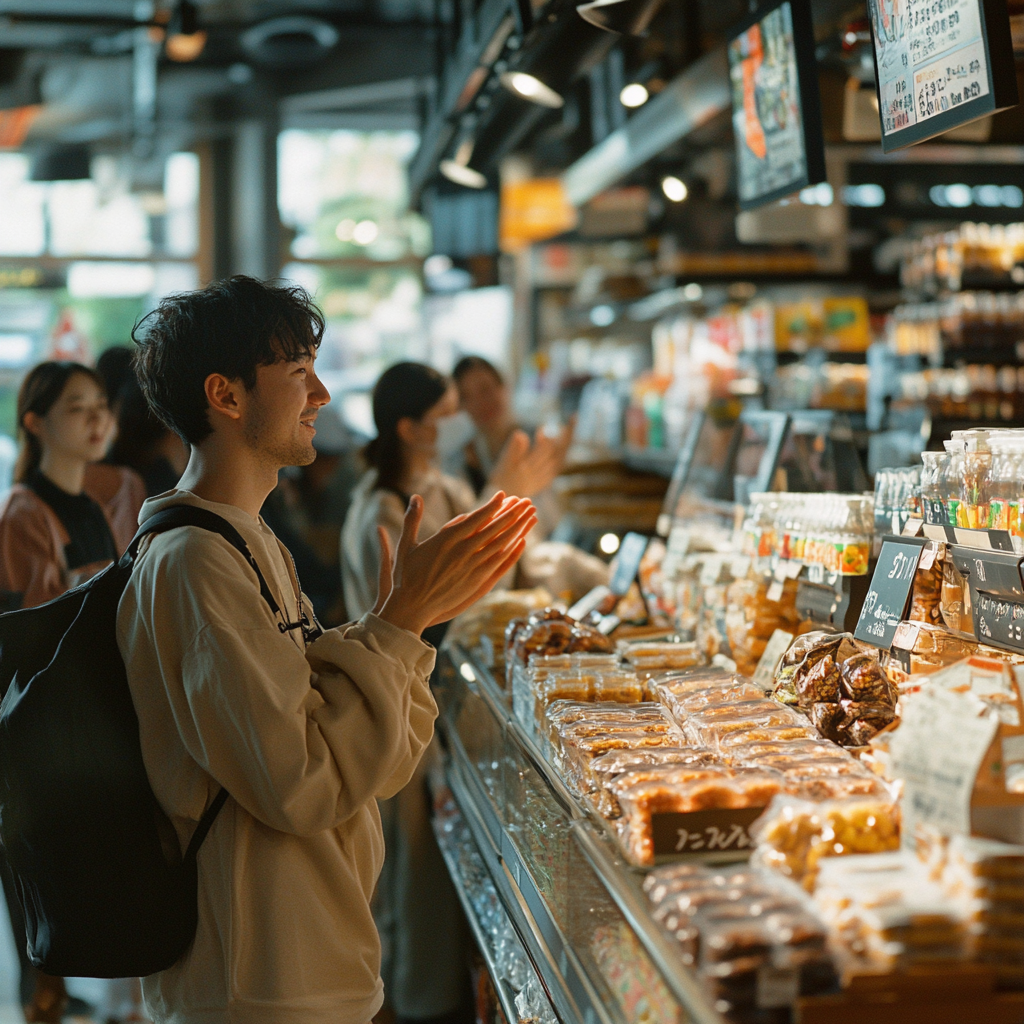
pixel 416 411
pixel 66 518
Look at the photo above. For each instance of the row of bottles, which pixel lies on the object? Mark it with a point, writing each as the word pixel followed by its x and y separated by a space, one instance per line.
pixel 976 482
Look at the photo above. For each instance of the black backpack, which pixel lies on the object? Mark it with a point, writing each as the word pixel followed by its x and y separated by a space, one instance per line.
pixel 96 862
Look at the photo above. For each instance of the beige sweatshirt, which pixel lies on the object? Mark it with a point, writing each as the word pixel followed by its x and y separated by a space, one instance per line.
pixel 303 740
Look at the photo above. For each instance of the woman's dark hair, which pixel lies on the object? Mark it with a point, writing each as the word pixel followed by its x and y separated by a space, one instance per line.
pixel 42 387
pixel 114 365
pixel 404 390
pixel 469 363
pixel 139 431
pixel 232 327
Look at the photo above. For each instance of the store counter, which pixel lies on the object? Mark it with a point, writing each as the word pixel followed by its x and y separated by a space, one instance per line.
pixel 576 905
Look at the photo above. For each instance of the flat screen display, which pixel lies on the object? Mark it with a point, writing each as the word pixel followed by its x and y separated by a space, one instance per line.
pixel 934 66
pixel 775 105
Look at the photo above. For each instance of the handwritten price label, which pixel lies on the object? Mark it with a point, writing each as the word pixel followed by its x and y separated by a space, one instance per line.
pixel 889 592
pixel 720 831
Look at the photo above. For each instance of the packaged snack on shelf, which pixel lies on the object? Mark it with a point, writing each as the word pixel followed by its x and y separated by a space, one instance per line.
pixel 985 879
pixel 625 687
pixel 919 648
pixel 484 625
pixel 710 725
pixel 955 600
pixel 648 657
pixel 655 815
pixel 755 608
pixel 753 753
pixel 884 914
pixel 765 734
pixel 794 835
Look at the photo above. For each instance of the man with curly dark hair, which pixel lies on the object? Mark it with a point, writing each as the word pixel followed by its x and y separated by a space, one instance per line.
pixel 304 728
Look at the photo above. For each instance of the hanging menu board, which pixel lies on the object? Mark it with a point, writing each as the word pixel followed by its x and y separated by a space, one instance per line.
pixel 939 64
pixel 776 110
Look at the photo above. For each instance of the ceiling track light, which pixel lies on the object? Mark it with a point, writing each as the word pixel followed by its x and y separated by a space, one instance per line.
pixel 529 87
pixel 185 39
pixel 623 17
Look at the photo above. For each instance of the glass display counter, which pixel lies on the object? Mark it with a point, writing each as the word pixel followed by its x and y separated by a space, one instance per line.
pixel 577 907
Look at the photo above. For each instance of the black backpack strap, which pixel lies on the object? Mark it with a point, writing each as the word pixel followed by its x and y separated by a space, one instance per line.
pixel 190 515
pixel 205 824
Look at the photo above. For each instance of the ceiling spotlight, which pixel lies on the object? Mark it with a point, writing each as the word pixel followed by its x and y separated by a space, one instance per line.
pixel 623 17
pixel 532 89
pixel 634 95
pixel 462 175
pixel 674 189
pixel 185 39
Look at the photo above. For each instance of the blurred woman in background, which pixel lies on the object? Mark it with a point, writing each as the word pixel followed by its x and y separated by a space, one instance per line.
pixel 66 518
pixel 486 398
pixel 419 424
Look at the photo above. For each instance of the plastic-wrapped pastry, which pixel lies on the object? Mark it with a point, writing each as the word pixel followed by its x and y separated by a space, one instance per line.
pixel 821 683
pixel 794 835
pixel 585 639
pixel 657 656
pixel 835 787
pixel 864 681
pixel 752 753
pixel 827 719
pixel 545 636
pixel 765 734
pixel 625 687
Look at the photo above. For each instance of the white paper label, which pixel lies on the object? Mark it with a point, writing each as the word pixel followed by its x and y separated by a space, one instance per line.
pixel 775 590
pixel 740 567
pixel 709 572
pixel 937 751
pixel 928 555
pixel 913 527
pixel 764 674
pixel 1013 750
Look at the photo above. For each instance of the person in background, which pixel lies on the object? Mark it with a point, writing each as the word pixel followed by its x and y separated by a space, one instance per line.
pixel 485 396
pixel 419 424
pixel 141 441
pixel 66 518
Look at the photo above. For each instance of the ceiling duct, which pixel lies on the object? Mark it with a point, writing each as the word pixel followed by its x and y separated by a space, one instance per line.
pixel 290 41
pixel 623 17
pixel 62 163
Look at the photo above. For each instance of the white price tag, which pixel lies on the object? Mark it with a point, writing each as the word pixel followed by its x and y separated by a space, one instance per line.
pixel 928 555
pixel 775 590
pixel 896 523
pixel 913 527
pixel 740 567
pixel 710 571
pixel 764 674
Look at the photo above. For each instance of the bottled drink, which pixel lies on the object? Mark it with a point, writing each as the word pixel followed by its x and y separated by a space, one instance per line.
pixel 953 482
pixel 1001 484
pixel 977 470
pixel 932 506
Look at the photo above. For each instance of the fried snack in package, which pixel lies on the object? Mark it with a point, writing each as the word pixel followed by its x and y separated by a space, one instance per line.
pixel 737 928
pixel 625 687
pixel 797 731
pixel 723 790
pixel 485 624
pixel 578 753
pixel 751 618
pixel 885 915
pixel 753 753
pixel 816 643
pixel 985 879
pixel 648 657
pixel 919 648
pixel 732 689
pixel 926 596
pixel 793 836
pixel 710 725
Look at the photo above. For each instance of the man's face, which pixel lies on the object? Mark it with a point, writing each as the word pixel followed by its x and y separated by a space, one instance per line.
pixel 280 412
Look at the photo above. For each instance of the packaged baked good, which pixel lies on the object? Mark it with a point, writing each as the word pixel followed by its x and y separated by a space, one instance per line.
pixel 955 601
pixel 863 681
pixel 648 657
pixel 641 802
pixel 926 595
pixel 765 734
pixel 794 835
pixel 625 687
pixel 827 719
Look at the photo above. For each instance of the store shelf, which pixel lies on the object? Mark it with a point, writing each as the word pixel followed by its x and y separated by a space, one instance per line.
pixel 576 990
pixel 452 833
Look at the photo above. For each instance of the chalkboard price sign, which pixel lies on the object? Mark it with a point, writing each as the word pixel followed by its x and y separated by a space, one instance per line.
pixel 887 597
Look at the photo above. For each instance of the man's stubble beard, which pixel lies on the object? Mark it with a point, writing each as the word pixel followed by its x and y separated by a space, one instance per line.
pixel 294 452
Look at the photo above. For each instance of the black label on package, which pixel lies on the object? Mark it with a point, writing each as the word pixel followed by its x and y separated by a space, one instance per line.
pixel 887 597
pixel 716 831
pixel 627 563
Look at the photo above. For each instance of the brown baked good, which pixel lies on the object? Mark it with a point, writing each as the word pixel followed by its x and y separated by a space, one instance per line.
pixel 819 684
pixel 864 681
pixel 827 718
pixel 584 639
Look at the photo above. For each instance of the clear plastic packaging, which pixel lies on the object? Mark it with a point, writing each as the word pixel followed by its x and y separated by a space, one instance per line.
pixel 794 836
